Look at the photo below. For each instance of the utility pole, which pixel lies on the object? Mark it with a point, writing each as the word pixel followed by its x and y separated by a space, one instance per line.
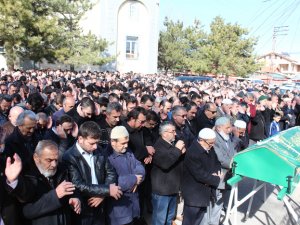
pixel 278 31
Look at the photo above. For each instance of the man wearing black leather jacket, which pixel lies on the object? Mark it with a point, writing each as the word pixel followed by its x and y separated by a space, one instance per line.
pixel 92 174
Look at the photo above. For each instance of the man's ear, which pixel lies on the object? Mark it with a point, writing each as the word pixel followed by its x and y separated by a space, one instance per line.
pixel 35 157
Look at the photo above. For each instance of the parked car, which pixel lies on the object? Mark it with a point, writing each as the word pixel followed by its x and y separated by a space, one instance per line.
pixel 193 78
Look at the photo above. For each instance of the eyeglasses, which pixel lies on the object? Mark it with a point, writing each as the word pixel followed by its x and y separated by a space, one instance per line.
pixel 172 132
pixel 209 143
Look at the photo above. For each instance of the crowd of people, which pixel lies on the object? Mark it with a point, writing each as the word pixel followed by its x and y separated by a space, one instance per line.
pixel 93 148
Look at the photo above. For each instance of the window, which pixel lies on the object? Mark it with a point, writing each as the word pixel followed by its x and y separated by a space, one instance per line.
pixel 284 67
pixel 131 47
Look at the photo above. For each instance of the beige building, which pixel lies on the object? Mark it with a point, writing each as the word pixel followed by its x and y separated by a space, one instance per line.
pixel 279 63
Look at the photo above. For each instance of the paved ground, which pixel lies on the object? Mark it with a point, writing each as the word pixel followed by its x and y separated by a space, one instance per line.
pixel 271 212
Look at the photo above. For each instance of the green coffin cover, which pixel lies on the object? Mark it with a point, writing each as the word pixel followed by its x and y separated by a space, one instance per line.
pixel 274 160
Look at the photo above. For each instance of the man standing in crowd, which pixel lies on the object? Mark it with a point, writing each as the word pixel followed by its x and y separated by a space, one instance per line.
pixel 5 104
pixel 201 177
pixel 131 173
pixel 53 199
pixel 206 116
pixel 191 121
pixel 92 174
pixel 63 133
pixel 68 104
pixel 240 131
pixel 83 112
pixel 14 112
pixel 225 148
pixel 183 133
pixel 107 123
pixel 166 175
pixel 23 140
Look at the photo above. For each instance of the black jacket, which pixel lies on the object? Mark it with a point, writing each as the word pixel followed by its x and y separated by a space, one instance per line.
pixel 203 121
pixel 136 142
pixel 10 207
pixel 45 207
pixel 63 144
pixel 258 129
pixel 198 183
pixel 167 168
pixel 80 175
pixel 24 147
pixel 184 134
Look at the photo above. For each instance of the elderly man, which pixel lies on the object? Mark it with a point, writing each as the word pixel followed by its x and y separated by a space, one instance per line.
pixel 14 112
pixel 23 140
pixel 91 173
pixel 225 148
pixel 225 109
pixel 52 200
pixel 240 131
pixel 130 175
pixel 201 177
pixel 166 175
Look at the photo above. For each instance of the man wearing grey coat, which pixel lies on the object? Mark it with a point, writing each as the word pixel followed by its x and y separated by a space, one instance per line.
pixel 225 147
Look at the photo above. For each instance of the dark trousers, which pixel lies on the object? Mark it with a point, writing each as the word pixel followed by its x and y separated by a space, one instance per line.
pixel 193 215
pixel 95 218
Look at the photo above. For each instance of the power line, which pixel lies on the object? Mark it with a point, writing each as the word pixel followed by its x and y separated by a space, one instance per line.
pixel 268 17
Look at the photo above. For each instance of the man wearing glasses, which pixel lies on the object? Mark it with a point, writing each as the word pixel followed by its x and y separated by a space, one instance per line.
pixel 206 116
pixel 201 177
pixel 179 116
pixel 166 170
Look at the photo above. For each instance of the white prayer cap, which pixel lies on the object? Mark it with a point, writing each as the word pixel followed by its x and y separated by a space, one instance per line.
pixel 240 124
pixel 119 132
pixel 226 101
pixel 207 133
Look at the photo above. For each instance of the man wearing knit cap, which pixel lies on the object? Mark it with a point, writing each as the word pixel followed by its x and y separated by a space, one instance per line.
pixel 225 148
pixel 201 177
pixel 130 175
pixel 239 130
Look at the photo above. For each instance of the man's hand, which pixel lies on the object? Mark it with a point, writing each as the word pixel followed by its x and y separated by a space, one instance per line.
pixel 60 132
pixel 76 205
pixel 65 188
pixel 75 130
pixel 148 159
pixel 219 174
pixel 139 179
pixel 13 170
pixel 115 191
pixel 180 145
pixel 95 201
pixel 150 150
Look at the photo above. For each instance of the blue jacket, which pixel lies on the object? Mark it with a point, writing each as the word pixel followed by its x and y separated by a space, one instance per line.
pixel 123 211
pixel 274 128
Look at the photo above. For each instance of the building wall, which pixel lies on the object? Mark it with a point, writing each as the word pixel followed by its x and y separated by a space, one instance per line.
pixel 115 20
pixel 111 20
pixel 276 63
